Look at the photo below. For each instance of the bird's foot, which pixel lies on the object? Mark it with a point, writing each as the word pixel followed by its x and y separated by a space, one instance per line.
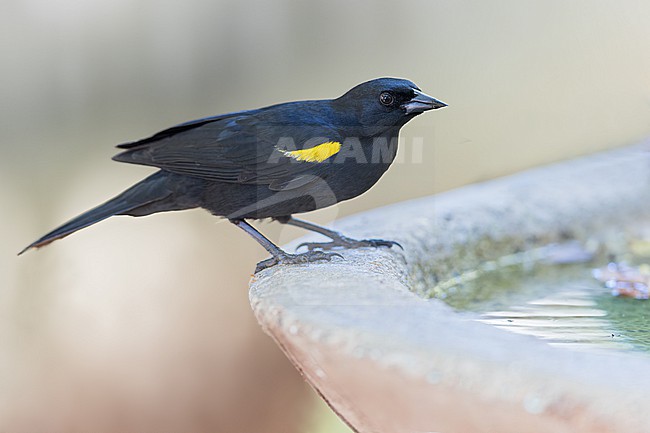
pixel 294 259
pixel 345 242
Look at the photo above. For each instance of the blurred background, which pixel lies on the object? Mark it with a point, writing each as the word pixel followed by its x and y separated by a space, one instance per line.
pixel 143 324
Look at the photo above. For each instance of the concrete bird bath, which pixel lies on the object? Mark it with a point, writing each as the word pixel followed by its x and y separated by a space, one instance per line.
pixel 367 334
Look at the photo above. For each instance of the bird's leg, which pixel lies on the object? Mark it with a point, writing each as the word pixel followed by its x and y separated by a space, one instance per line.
pixel 338 240
pixel 280 256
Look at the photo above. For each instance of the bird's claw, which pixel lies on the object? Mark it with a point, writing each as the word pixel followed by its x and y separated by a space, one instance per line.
pixel 294 259
pixel 344 242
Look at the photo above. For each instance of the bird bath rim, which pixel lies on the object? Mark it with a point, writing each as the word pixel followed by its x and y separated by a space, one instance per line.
pixel 361 336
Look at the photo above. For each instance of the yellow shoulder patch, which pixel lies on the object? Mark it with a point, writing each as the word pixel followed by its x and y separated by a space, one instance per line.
pixel 317 153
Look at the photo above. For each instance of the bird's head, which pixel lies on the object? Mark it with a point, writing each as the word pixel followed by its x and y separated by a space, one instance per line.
pixel 386 103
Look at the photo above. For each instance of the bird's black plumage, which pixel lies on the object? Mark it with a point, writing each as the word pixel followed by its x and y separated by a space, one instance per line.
pixel 270 162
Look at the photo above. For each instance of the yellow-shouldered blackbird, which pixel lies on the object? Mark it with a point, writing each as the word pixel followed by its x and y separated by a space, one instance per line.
pixel 270 163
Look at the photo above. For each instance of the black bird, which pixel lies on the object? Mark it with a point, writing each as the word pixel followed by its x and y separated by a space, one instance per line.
pixel 271 162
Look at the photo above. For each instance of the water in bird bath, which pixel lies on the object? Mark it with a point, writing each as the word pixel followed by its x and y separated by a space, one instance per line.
pixel 562 304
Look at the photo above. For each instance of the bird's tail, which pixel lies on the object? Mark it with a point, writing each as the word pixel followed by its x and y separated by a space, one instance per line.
pixel 148 196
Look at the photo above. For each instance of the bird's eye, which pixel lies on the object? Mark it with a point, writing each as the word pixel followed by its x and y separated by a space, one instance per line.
pixel 386 99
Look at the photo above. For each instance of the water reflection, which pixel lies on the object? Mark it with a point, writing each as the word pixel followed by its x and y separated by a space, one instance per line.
pixel 568 318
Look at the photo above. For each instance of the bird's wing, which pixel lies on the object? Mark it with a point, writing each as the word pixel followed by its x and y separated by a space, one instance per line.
pixel 239 148
pixel 186 126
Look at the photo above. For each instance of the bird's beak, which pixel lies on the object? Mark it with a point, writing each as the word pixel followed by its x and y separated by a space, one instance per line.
pixel 422 102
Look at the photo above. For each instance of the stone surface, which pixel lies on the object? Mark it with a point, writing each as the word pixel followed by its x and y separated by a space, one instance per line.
pixel 388 360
